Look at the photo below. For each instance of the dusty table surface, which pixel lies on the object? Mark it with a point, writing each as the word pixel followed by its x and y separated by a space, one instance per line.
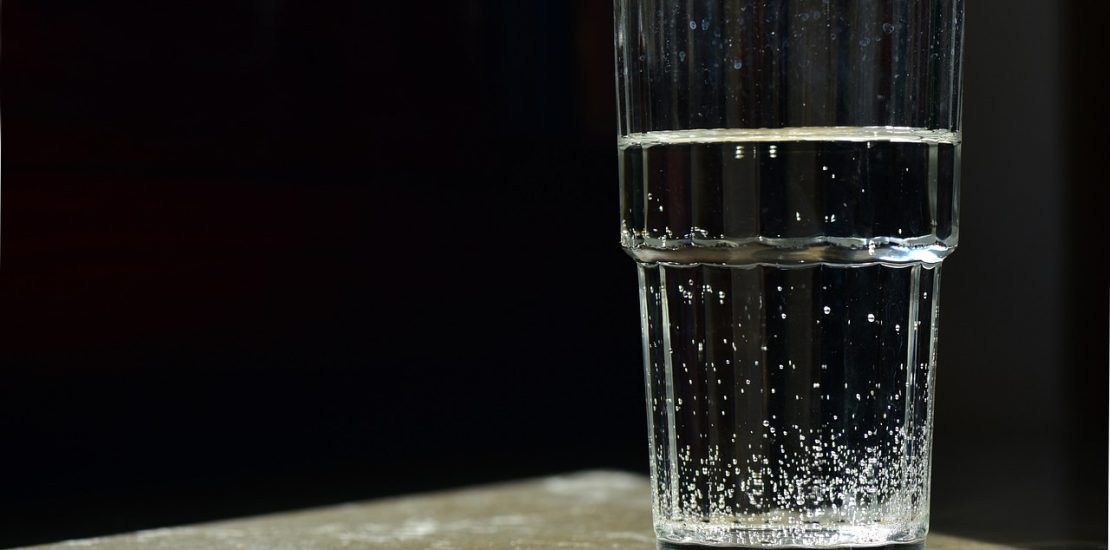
pixel 587 510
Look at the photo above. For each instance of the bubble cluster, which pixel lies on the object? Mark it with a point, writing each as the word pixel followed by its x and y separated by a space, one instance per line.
pixel 801 427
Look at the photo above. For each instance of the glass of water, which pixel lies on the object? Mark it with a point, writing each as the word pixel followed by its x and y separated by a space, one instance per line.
pixel 789 172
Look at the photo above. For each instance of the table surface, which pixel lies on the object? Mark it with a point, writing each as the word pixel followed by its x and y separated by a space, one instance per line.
pixel 586 510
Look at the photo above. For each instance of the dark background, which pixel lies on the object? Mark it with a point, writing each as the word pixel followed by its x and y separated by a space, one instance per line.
pixel 266 255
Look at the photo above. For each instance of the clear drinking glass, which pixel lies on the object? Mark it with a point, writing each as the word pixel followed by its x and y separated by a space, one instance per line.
pixel 788 180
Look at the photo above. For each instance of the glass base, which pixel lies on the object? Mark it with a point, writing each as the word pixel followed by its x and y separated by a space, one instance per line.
pixel 665 545
pixel 677 536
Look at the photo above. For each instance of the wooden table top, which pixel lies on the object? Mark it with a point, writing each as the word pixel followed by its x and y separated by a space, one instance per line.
pixel 586 510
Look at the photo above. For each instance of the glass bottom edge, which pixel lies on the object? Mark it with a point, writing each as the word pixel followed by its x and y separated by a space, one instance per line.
pixel 678 537
pixel 668 545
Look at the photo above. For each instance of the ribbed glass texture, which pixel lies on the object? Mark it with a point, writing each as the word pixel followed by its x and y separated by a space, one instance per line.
pixel 790 63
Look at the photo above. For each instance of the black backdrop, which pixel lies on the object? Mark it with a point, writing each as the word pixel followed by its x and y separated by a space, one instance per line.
pixel 264 255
